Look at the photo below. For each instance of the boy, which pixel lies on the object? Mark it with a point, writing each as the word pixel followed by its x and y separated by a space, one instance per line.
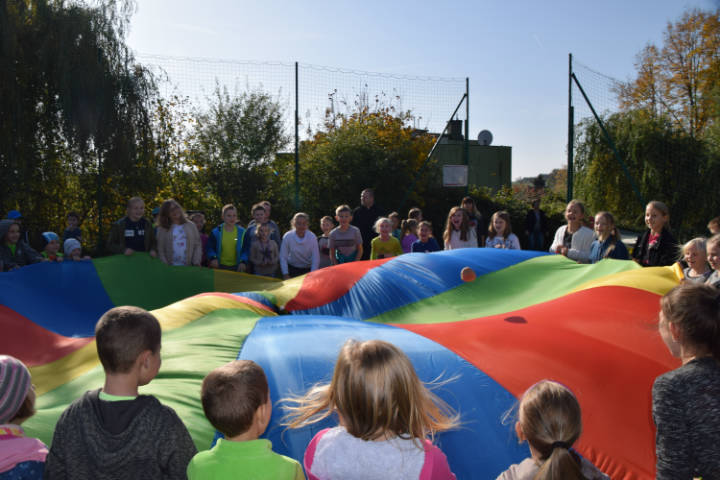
pixel 132 233
pixel 346 243
pixel 259 214
pixel 236 401
pixel 225 245
pixel 51 247
pixel 73 227
pixel 113 432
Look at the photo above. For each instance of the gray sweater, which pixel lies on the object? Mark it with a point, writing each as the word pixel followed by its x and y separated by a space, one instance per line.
pixel 133 439
pixel 686 410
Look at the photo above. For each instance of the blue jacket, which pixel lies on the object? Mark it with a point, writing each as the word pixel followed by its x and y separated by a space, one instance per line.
pixel 598 249
pixel 214 244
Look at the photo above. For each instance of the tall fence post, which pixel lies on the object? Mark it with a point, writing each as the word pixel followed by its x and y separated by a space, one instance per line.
pixel 297 144
pixel 466 145
pixel 571 133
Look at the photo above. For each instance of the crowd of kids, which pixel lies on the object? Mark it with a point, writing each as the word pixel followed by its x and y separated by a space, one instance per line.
pixel 387 418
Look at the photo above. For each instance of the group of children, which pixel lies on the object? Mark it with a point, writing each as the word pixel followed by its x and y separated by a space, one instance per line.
pixel 387 417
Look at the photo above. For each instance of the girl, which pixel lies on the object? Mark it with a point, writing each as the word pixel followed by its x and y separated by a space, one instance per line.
pixel 458 233
pixel 14 252
pixel 608 243
pixel 713 256
pixel 178 241
pixel 395 219
pixel 22 457
pixel 656 246
pixel 694 253
pixel 500 232
pixel 549 419
pixel 198 218
pixel 263 252
pixel 326 225
pixel 686 401
pixel 299 252
pixel 477 221
pixel 573 240
pixel 385 414
pixel 426 243
pixel 384 245
pixel 415 214
pixel 73 251
pixel 409 234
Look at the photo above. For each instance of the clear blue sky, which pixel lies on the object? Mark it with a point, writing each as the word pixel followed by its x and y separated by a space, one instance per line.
pixel 514 52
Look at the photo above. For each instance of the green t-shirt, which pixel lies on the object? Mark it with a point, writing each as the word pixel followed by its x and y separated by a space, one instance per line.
pixel 114 398
pixel 12 247
pixel 228 253
pixel 255 459
pixel 380 249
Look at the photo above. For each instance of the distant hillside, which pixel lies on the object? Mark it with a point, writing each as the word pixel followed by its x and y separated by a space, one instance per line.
pixel 555 181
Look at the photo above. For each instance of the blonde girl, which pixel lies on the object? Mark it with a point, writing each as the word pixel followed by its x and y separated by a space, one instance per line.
pixel 178 240
pixel 458 233
pixel 713 256
pixel 686 401
pixel 384 245
pixel 299 252
pixel 408 234
pixel 549 420
pixel 656 246
pixel 608 243
pixel 500 232
pixel 574 239
pixel 386 415
pixel 694 253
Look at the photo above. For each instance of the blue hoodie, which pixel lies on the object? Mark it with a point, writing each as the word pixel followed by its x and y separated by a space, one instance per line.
pixel 214 245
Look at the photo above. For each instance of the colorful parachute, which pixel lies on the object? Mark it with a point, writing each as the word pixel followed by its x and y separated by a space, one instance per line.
pixel 526 317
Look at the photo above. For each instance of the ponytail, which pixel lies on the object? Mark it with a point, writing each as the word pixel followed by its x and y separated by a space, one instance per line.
pixel 562 464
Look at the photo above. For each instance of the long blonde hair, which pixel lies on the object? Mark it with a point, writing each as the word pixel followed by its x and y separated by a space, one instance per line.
pixel 549 417
pixel 376 393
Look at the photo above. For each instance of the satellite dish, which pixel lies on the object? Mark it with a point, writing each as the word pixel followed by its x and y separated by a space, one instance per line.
pixel 485 137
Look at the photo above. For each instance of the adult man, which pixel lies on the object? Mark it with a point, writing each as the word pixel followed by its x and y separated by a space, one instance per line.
pixel 364 218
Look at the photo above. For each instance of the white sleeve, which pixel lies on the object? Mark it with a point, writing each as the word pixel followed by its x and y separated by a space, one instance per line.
pixel 284 253
pixel 581 244
pixel 558 240
pixel 514 242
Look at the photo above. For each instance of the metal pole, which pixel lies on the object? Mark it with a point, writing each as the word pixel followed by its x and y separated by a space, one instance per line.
pixel 467 132
pixel 571 133
pixel 297 144
pixel 100 183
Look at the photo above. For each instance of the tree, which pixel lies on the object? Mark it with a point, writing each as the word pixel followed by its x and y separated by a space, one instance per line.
pixel 235 141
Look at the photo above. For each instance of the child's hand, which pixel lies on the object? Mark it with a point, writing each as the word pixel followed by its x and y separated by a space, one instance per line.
pixel 241 267
pixel 59 259
pixel 129 251
pixel 286 277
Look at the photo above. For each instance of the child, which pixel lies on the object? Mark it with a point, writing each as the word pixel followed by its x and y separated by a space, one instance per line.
pixel 225 245
pixel 694 253
pixel 236 401
pixel 274 229
pixel 408 234
pixel 73 251
pixel 326 225
pixel 475 218
pixel 686 401
pixel 346 243
pixel 51 247
pixel 385 415
pixel 713 256
pixel 573 240
pixel 198 218
pixel 259 214
pixel 178 241
pixel 384 245
pixel 73 227
pixel 714 226
pixel 14 253
pixel 608 243
pixel 299 253
pixel 21 457
pixel 395 219
pixel 426 243
pixel 132 233
pixel 500 232
pixel 415 214
pixel 114 432
pixel 263 252
pixel 656 246
pixel 549 419
pixel 458 233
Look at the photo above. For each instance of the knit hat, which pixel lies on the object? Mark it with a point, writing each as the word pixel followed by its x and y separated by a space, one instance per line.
pixel 70 245
pixel 48 237
pixel 14 386
pixel 14 215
